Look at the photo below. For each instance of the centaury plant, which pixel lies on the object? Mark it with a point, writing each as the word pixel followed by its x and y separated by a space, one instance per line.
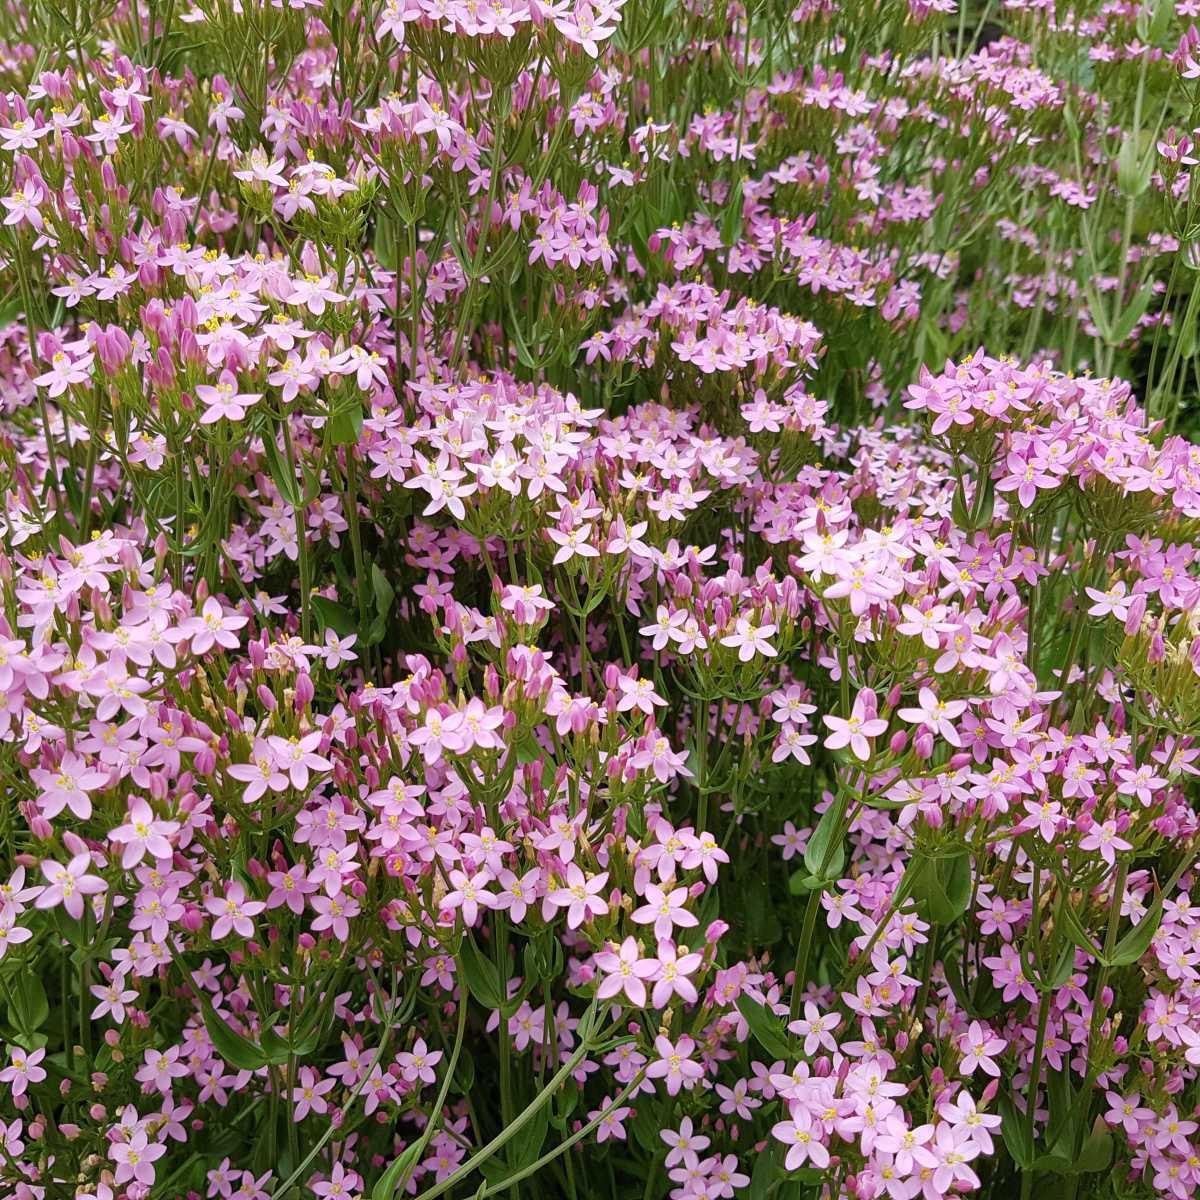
pixel 599 599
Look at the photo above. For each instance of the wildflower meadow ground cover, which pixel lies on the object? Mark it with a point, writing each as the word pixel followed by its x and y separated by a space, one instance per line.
pixel 599 599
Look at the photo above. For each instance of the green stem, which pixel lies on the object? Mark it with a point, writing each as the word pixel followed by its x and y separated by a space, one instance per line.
pixel 519 1122
pixel 562 1147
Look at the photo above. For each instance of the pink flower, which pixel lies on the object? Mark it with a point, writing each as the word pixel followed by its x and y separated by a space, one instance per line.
pixel 160 1068
pixel 665 910
pixel 135 1158
pixel 213 627
pixel 572 543
pixel 954 1148
pixel 23 1069
pixel 334 913
pixel 527 604
pixel 11 934
pixel 935 715
pixel 803 1140
pixel 815 1029
pixel 979 1045
pixel 962 1113
pixel 470 894
pixel 69 884
pixel 223 400
pixel 675 1065
pixel 113 997
pixel 610 1124
pixel 143 832
pixel 579 896
pixel 341 1184
pixel 1111 602
pixel 639 694
pixel 68 787
pixel 309 1094
pixel 233 912
pixel 298 755
pixel 1103 837
pixel 65 372
pixel 626 971
pixel 260 775
pixel 672 977
pixel 853 731
pixel 1129 1112
pixel 750 639
pixel 417 1065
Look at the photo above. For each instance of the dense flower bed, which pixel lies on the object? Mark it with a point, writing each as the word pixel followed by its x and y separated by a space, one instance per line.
pixel 599 600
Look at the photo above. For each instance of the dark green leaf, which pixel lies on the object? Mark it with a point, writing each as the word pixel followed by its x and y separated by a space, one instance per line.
pixel 732 221
pixel 527 1145
pixel 479 974
pixel 761 1176
pixel 1076 931
pixel 943 885
pixel 383 591
pixel 766 1027
pixel 385 1187
pixel 527 748
pixel 1016 1136
pixel 1097 1152
pixel 28 1007
pixel 464 1074
pixel 824 856
pixel 236 1050
pixel 1137 941
pixel 281 474
pixel 333 615
pixel 275 1049
pixel 345 426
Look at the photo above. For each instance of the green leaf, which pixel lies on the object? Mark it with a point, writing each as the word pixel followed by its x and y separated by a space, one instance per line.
pixel 543 957
pixel 1123 325
pixel 281 474
pixel 383 594
pixel 28 1006
pixel 984 504
pixel 1097 1152
pixel 1096 309
pixel 527 748
pixel 766 1027
pixel 1054 1163
pixel 959 512
pixel 647 1129
pixel 943 884
pixel 333 615
pixel 1062 969
pixel 276 1050
pixel 386 1185
pixel 760 1177
pixel 346 425
pixel 758 912
pixel 1063 1130
pixel 1016 1136
pixel 236 1050
pixel 1137 941
pixel 479 975
pixel 732 221
pixel 527 1145
pixel 1134 169
pixel 521 1151
pixel 824 856
pixel 71 930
